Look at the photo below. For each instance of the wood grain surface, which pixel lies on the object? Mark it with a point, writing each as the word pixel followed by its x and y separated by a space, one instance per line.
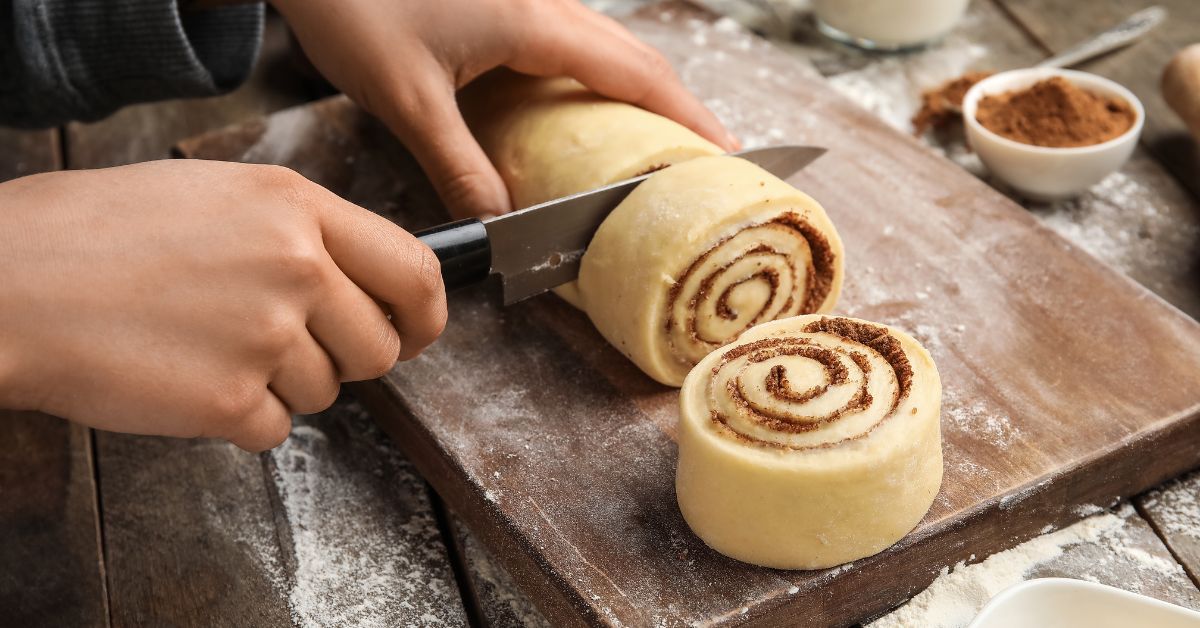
pixel 558 453
pixel 1174 511
pixel 181 517
pixel 362 545
pixel 52 570
pixel 28 152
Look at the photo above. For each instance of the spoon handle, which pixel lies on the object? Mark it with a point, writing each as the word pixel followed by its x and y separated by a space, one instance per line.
pixel 1120 35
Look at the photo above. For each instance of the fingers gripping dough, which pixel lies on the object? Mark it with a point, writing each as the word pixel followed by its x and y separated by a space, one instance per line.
pixel 810 442
pixel 550 138
pixel 699 253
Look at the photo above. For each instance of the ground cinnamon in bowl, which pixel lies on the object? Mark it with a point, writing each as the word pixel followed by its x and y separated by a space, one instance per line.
pixel 1055 113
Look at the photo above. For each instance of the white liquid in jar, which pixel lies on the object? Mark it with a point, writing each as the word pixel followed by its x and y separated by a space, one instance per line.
pixel 891 23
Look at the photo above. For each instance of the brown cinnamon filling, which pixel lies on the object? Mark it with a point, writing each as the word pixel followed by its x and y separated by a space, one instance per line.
pixel 835 373
pixel 819 278
pixel 654 168
pixel 872 338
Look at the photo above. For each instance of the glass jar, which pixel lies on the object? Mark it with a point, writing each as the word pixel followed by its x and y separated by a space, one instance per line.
pixel 888 24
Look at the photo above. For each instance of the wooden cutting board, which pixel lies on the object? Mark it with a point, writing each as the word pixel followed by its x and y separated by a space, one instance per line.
pixel 1066 385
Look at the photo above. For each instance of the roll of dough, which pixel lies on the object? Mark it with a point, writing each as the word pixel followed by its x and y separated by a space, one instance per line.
pixel 699 253
pixel 550 138
pixel 810 442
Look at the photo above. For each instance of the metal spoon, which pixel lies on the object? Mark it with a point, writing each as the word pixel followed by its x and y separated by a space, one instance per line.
pixel 1123 34
pixel 1133 28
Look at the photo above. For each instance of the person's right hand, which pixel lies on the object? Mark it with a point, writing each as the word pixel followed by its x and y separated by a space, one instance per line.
pixel 199 298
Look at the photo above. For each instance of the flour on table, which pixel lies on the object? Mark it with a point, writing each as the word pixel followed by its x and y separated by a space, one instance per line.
pixel 1119 222
pixel 255 535
pixel 960 592
pixel 968 414
pixel 367 550
pixel 1175 506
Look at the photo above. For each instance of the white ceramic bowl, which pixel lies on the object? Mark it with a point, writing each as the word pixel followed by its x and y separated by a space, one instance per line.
pixel 1039 172
pixel 1067 603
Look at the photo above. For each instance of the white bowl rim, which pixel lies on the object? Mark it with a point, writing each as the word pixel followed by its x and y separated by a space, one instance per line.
pixel 1005 597
pixel 975 94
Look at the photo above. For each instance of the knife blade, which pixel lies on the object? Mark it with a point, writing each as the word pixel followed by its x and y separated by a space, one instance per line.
pixel 540 247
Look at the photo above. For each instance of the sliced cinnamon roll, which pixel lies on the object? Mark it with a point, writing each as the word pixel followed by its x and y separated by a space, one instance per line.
pixel 699 253
pixel 810 442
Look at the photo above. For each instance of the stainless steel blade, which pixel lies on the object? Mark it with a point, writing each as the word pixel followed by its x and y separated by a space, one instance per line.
pixel 539 247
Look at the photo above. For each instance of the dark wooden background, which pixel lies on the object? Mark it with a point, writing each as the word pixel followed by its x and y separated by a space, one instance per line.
pixel 335 528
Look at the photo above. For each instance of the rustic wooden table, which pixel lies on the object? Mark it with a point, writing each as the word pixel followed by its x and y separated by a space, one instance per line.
pixel 335 528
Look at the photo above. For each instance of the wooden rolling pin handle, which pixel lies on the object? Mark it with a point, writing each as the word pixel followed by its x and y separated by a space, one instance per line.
pixel 463 249
pixel 1181 87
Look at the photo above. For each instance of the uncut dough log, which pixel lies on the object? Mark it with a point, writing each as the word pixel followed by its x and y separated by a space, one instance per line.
pixel 810 442
pixel 549 138
pixel 552 137
pixel 699 253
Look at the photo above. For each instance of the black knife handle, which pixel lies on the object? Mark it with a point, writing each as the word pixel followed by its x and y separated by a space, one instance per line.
pixel 463 249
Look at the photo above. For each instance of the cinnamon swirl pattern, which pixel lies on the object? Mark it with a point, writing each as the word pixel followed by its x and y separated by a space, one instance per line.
pixel 699 253
pixel 810 442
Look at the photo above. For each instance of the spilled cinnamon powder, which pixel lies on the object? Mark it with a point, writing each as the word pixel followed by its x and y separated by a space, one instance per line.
pixel 1055 112
pixel 943 104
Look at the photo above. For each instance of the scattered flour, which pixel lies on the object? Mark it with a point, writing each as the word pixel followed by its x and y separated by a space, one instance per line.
pixel 1012 499
pixel 959 593
pixel 1120 222
pixel 249 533
pixel 366 548
pixel 1176 508
pixel 969 414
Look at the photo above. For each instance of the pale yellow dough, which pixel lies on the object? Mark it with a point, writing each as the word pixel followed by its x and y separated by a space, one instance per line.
pixel 550 138
pixel 810 442
pixel 701 252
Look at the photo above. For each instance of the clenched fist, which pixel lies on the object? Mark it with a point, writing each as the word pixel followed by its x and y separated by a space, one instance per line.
pixel 197 298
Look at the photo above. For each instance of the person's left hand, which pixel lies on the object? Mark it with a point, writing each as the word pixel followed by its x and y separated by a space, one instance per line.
pixel 403 60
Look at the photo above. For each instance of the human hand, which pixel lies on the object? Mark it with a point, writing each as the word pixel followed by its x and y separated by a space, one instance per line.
pixel 201 298
pixel 403 60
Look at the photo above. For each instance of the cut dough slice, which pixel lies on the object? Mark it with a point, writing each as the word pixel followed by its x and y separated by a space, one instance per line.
pixel 550 138
pixel 810 442
pixel 699 253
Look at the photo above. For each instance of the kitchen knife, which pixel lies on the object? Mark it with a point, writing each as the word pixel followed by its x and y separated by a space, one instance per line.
pixel 539 247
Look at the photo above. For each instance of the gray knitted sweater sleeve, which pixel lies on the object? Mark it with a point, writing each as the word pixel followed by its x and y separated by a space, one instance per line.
pixel 66 60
